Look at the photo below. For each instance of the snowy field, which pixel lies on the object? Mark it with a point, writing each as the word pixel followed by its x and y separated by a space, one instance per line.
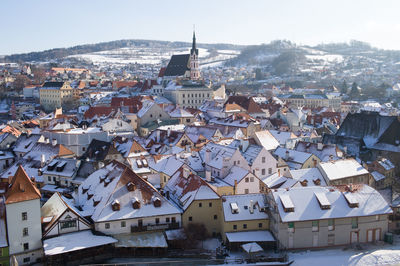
pixel 384 254
pixel 152 56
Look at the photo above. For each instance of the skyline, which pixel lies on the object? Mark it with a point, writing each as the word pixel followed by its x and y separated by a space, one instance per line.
pixel 44 24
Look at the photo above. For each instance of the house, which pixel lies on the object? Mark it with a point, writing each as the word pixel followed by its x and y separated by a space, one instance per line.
pixel 199 203
pixel 344 171
pixel 59 175
pixel 4 255
pixel 383 172
pixel 243 181
pixel 297 159
pixel 259 161
pixel 24 230
pixel 245 217
pixel 266 139
pixel 121 203
pixel 314 217
pixel 324 152
pixel 166 168
pixel 55 95
pixel 102 152
pixel 185 117
pixel 6 140
pixel 150 112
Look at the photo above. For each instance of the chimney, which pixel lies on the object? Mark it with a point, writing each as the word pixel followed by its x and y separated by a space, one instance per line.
pixel 169 132
pixel 207 157
pixel 320 146
pixel 54 142
pixel 235 187
pixel 42 160
pixel 208 175
pixel 244 143
pixel 158 136
pixel 251 207
pixel 186 172
pixel 287 155
pixel 331 158
pixel 167 194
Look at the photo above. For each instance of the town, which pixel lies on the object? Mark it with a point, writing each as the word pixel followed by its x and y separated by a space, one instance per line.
pixel 175 162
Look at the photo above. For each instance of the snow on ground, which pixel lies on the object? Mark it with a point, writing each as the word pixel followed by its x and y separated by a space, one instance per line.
pixel 210 244
pixel 374 255
pixel 327 58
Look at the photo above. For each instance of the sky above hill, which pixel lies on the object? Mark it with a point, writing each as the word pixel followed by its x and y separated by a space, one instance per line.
pixel 44 24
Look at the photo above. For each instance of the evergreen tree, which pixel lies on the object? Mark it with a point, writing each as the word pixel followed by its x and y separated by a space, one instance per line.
pixel 344 87
pixel 354 90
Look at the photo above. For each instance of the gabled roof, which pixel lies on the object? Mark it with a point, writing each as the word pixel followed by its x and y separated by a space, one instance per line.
pixel 183 191
pixel 245 102
pixel 21 188
pixel 64 151
pixel 178 65
pixel 307 206
pixel 55 207
pixel 109 185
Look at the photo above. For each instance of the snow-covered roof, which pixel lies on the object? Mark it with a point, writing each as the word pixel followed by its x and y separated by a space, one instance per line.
pixel 306 206
pixel 282 136
pixel 386 163
pixel 179 113
pixel 267 140
pixel 342 168
pixel 252 247
pixel 184 187
pixel 142 240
pixel 294 156
pixel 242 210
pixel 167 165
pixel 236 173
pixel 74 241
pixel 377 176
pixel 145 107
pixel 312 175
pixel 250 236
pixel 117 182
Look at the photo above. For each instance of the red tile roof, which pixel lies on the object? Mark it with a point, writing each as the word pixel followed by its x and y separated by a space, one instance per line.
pixel 21 188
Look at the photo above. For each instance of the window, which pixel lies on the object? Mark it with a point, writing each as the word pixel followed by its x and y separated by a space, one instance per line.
pixel 190 218
pixel 291 227
pixel 259 225
pixel 123 224
pixel 354 223
pixel 210 204
pixel 24 216
pixel 263 159
pixel 200 205
pixel 173 220
pixel 183 95
pixel 377 217
pixel 25 231
pixel 107 225
pixel 234 227
pixel 215 217
pixel 68 224
pixel 183 101
pixel 26 246
pixel 167 220
pixel 27 259
pixel 246 191
pixel 157 220
pixel 251 178
pixel 331 224
pixel 263 171
pixel 244 226
pixel 49 178
pixel 269 171
pixel 151 115
pixel 315 226
pixel 83 149
pixel 246 180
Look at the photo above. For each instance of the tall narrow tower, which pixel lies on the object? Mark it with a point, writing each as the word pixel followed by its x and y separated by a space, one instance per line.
pixel 194 60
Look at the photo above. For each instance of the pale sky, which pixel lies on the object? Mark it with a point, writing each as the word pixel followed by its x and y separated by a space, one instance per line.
pixel 35 25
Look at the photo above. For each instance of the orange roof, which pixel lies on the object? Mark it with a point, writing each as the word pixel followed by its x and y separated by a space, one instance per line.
pixel 64 151
pixel 22 188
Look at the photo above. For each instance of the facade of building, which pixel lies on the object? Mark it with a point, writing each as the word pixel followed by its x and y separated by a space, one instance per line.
pixel 55 94
pixel 23 219
pixel 315 217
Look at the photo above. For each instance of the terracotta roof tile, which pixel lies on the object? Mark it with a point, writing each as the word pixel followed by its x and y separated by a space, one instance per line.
pixel 21 188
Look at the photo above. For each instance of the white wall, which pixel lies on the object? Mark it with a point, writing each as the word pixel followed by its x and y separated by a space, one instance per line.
pixel 15 226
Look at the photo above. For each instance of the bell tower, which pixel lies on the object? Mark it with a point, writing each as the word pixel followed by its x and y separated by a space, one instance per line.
pixel 194 60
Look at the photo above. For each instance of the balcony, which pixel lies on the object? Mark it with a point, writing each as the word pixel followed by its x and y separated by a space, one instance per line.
pixel 154 227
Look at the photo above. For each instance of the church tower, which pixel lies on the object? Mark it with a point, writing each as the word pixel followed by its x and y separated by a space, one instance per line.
pixel 194 60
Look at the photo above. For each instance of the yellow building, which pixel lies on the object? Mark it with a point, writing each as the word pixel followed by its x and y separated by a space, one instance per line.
pixel 55 94
pixel 245 220
pixel 199 202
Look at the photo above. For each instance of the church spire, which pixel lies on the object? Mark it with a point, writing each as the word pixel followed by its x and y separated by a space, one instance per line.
pixel 194 49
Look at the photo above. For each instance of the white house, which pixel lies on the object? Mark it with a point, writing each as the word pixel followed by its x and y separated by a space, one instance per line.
pixel 23 219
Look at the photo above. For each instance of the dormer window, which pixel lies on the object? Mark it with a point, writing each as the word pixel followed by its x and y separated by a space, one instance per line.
pixel 130 186
pixel 156 202
pixel 115 205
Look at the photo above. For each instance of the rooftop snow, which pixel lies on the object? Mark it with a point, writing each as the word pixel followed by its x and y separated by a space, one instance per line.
pixel 342 168
pixel 250 236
